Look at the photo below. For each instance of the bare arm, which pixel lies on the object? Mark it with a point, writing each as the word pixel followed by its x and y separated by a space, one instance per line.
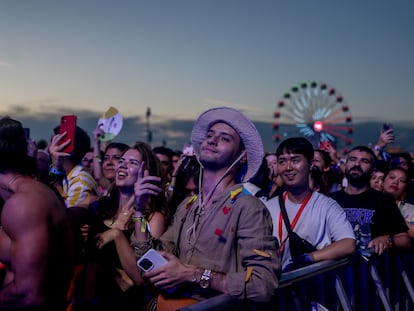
pixel 97 161
pixel 384 139
pixel 410 229
pixel 29 246
pixel 382 243
pixel 125 251
pixel 336 250
pixel 402 241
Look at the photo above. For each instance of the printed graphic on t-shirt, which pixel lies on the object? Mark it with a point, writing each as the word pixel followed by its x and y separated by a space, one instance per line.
pixel 361 221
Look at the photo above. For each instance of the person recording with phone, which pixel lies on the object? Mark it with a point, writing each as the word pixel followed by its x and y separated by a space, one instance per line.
pixel 108 284
pixel 74 183
pixel 385 138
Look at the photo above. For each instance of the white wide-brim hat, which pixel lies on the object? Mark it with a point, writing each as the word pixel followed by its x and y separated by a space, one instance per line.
pixel 244 127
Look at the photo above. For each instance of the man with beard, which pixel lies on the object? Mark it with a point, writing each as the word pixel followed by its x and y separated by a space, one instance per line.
pixel 377 222
pixel 220 241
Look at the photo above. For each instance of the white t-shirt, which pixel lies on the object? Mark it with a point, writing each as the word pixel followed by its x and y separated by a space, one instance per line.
pixel 322 222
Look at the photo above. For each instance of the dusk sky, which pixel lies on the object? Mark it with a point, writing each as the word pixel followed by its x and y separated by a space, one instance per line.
pixel 182 57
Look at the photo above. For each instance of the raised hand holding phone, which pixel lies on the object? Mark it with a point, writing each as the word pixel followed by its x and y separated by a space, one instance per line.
pixel 145 186
pixel 68 126
pixel 387 126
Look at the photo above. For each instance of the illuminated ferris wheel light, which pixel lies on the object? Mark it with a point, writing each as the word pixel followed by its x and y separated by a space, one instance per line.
pixel 316 111
pixel 318 126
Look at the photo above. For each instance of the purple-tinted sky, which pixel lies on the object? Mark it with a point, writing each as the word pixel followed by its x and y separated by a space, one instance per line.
pixel 182 57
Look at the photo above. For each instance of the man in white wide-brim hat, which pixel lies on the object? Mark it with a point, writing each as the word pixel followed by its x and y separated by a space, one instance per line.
pixel 222 238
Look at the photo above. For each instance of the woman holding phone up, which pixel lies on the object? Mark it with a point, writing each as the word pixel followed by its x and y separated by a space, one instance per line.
pixel 115 218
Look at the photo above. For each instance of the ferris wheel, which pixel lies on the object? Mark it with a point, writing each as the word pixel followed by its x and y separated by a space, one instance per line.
pixel 316 111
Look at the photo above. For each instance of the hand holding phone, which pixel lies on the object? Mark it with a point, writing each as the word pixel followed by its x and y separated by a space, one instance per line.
pixel 188 150
pixel 324 145
pixel 387 126
pixel 68 125
pixel 151 260
pixel 27 132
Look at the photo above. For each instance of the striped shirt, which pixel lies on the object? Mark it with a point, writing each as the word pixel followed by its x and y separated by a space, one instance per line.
pixel 79 185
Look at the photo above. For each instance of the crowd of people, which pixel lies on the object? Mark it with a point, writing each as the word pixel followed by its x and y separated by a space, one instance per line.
pixel 226 216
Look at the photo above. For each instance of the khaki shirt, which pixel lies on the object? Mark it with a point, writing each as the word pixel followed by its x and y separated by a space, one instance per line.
pixel 234 237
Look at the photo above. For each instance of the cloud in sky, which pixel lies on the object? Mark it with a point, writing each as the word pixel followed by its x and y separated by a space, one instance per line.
pixel 176 132
pixel 5 64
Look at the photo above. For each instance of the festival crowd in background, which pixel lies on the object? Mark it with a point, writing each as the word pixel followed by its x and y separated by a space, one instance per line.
pixel 220 212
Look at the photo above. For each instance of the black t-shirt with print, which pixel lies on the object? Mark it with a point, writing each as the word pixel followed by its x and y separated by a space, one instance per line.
pixel 371 214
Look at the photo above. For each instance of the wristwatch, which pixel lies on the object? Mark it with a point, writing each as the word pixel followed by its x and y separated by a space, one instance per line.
pixel 205 279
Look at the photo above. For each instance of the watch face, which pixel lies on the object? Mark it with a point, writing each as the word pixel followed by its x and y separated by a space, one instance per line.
pixel 205 279
pixel 204 283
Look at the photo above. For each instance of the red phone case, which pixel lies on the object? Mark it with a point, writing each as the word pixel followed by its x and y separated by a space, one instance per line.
pixel 68 125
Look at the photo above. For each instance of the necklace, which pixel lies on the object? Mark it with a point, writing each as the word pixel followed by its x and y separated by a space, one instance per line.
pixel 11 182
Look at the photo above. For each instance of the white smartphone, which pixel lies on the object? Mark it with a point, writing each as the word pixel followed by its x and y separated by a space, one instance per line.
pixel 151 260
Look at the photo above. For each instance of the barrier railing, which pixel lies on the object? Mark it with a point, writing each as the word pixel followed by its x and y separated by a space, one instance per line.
pixel 358 283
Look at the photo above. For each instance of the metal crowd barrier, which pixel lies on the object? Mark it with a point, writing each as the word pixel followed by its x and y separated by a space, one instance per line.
pixel 357 283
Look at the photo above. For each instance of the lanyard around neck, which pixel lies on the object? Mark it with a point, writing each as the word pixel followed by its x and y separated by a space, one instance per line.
pixel 295 220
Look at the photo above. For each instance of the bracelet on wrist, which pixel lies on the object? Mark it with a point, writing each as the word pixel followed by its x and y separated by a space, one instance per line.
pixel 391 242
pixel 138 218
pixel 56 172
pixel 142 221
pixel 378 148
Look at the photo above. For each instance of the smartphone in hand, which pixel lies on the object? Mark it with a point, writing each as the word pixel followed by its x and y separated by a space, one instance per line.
pixel 324 145
pixel 188 150
pixel 387 126
pixel 151 260
pixel 27 132
pixel 68 125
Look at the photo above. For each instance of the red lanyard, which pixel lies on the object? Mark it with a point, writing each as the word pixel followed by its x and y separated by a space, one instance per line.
pixel 295 220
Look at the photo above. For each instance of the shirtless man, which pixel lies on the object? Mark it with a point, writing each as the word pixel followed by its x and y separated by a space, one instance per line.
pixel 35 239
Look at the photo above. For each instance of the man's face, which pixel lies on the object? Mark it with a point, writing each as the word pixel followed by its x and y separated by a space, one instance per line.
pixel 166 165
pixel 220 147
pixel 359 167
pixel 293 168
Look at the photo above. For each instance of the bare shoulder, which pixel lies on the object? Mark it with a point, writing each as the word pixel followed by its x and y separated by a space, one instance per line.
pixel 35 193
pixel 32 202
